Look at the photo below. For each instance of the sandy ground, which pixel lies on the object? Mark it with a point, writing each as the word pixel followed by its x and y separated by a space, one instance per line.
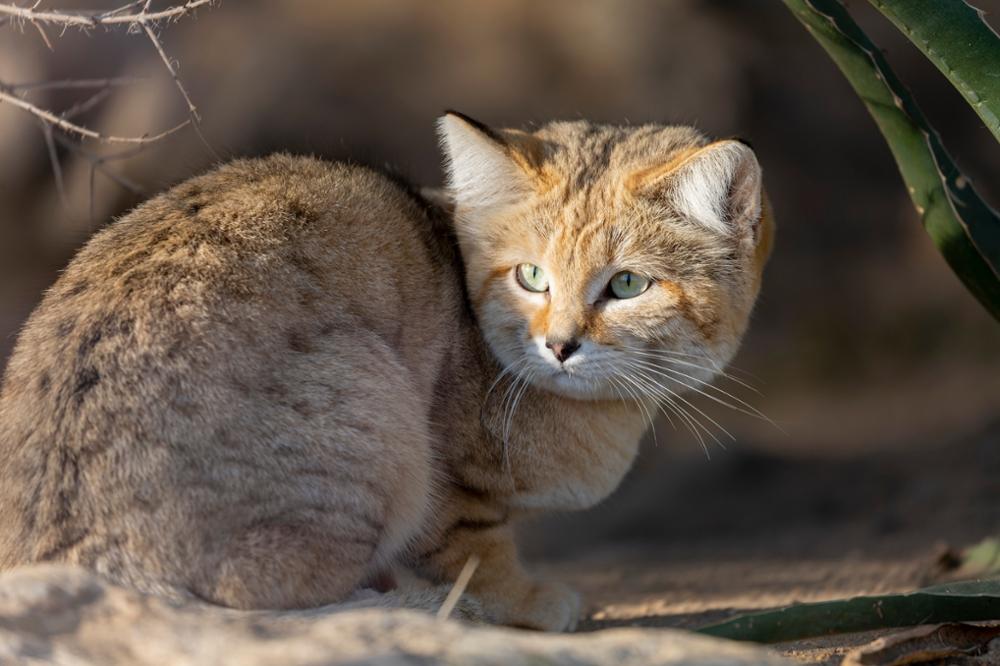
pixel 632 588
pixel 686 543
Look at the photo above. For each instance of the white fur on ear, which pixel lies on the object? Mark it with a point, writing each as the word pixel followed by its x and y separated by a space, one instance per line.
pixel 480 172
pixel 719 187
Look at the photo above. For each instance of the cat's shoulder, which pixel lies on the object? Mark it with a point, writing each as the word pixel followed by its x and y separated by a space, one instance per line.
pixel 303 186
pixel 257 202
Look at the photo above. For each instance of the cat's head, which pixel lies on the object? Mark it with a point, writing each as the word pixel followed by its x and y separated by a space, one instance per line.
pixel 607 261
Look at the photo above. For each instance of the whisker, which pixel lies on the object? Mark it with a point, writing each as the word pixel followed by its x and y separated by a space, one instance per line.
pixel 688 403
pixel 503 373
pixel 746 408
pixel 666 355
pixel 504 406
pixel 715 364
pixel 642 407
pixel 713 368
pixel 690 422
pixel 525 383
pixel 693 424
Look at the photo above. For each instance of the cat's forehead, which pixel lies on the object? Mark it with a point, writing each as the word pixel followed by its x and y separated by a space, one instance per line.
pixel 585 218
pixel 584 153
pixel 586 237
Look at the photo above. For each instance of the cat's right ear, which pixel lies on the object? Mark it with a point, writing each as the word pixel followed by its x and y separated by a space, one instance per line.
pixel 487 168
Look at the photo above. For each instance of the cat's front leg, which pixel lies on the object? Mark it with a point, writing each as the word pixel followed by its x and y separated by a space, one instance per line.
pixel 508 594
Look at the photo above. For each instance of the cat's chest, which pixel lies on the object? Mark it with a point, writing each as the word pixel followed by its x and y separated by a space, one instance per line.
pixel 575 472
pixel 528 448
pixel 556 456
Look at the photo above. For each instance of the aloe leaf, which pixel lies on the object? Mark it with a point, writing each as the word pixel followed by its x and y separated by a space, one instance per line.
pixel 963 227
pixel 967 601
pixel 954 36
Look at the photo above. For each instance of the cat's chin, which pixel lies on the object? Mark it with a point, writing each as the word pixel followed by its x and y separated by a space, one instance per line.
pixel 566 385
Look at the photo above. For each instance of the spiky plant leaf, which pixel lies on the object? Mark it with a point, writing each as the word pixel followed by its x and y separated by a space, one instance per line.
pixel 955 37
pixel 956 602
pixel 964 228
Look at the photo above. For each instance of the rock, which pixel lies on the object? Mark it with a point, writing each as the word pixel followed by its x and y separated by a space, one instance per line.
pixel 68 616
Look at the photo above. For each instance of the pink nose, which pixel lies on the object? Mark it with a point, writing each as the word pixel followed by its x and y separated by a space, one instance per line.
pixel 562 349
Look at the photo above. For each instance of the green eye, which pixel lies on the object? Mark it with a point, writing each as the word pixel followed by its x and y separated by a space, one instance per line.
pixel 627 285
pixel 532 278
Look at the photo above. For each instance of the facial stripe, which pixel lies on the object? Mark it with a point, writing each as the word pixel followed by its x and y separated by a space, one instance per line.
pixel 494 276
pixel 538 324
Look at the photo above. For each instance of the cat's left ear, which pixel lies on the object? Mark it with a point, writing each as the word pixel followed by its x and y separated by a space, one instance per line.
pixel 718 186
pixel 488 168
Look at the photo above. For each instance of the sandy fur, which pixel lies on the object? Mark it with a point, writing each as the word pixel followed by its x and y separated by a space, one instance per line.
pixel 269 384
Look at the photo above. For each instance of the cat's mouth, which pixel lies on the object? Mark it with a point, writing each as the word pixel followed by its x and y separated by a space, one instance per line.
pixel 581 376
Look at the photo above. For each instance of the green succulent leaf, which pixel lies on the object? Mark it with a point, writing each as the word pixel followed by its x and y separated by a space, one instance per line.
pixel 964 228
pixel 968 601
pixel 955 37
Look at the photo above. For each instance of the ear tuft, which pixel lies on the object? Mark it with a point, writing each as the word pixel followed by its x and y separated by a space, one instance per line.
pixel 475 124
pixel 718 187
pixel 483 167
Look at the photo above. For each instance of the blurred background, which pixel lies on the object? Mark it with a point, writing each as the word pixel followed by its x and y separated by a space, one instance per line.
pixel 881 370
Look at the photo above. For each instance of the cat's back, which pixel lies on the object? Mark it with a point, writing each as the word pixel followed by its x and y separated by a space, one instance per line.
pixel 192 330
pixel 259 245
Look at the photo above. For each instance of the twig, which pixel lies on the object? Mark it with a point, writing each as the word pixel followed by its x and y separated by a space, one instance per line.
pixel 143 20
pixel 173 72
pixel 137 17
pixel 93 20
pixel 45 37
pixel 86 104
pixel 192 109
pixel 98 162
pixel 112 12
pixel 458 588
pixel 72 84
pixel 73 128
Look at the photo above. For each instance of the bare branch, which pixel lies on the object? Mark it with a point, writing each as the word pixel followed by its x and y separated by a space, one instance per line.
pixel 192 109
pixel 98 162
pixel 73 128
pixel 45 37
pixel 173 73
pixel 107 18
pixel 71 84
pixel 85 105
pixel 137 17
pixel 123 8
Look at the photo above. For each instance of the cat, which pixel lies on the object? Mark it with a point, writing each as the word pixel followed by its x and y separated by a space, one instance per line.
pixel 275 381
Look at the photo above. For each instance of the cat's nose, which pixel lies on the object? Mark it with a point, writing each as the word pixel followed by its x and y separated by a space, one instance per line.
pixel 562 349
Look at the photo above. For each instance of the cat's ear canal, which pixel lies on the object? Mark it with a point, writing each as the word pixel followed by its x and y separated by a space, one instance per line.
pixel 718 187
pixel 488 168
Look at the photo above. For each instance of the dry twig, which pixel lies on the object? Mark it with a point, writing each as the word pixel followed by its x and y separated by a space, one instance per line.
pixel 462 582
pixel 92 19
pixel 73 128
pixel 136 16
pixel 71 84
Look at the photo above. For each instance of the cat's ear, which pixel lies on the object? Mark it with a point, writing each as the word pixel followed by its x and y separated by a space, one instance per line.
pixel 488 168
pixel 718 187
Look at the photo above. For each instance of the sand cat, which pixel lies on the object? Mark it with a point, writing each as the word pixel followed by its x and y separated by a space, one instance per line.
pixel 271 383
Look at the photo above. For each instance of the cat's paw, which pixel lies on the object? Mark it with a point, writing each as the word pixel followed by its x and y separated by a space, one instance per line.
pixel 548 606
